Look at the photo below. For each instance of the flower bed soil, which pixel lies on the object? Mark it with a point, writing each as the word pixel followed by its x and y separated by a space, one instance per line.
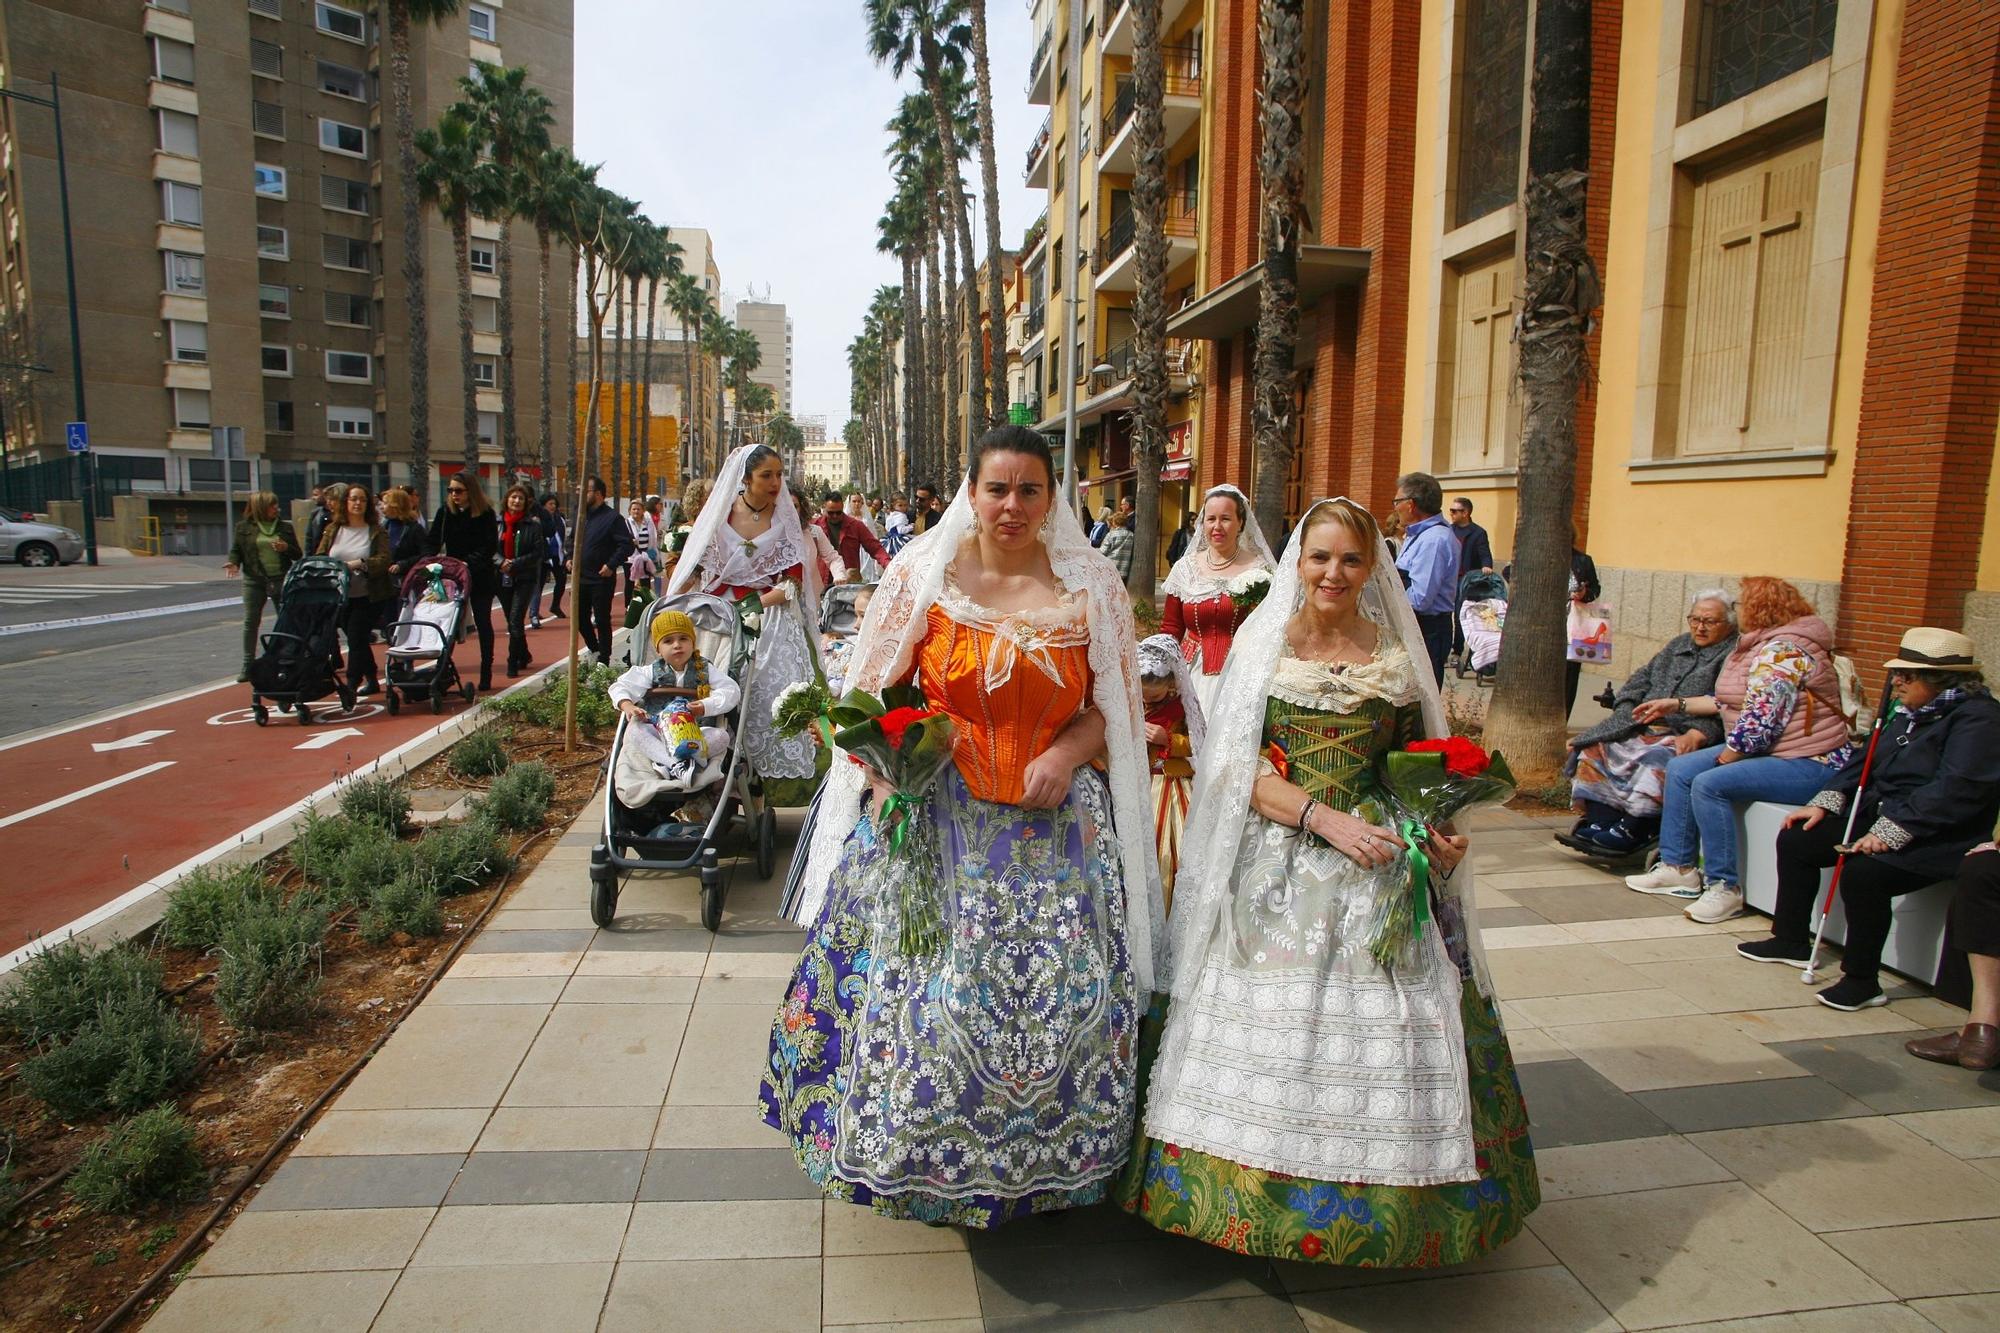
pixel 64 1267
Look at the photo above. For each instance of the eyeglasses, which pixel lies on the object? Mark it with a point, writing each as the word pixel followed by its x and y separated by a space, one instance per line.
pixel 1402 500
pixel 1705 622
pixel 456 490
pixel 1902 677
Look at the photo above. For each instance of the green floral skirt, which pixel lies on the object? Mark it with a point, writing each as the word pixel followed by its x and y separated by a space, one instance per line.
pixel 1261 1212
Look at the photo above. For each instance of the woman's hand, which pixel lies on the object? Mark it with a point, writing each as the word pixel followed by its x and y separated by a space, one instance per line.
pixel 1367 845
pixel 1446 850
pixel 774 596
pixel 1046 780
pixel 1689 741
pixel 1870 845
pixel 232 571
pixel 1805 817
pixel 357 565
pixel 1652 710
pixel 1729 756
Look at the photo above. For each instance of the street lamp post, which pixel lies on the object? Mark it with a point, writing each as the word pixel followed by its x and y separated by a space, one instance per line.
pixel 86 466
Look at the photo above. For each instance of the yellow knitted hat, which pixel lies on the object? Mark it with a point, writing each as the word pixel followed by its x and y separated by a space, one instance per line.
pixel 672 622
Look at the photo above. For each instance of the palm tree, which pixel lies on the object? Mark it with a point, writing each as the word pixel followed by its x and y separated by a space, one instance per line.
pixel 989 180
pixel 717 337
pixel 931 36
pixel 1528 718
pixel 452 178
pixel 745 355
pixel 886 315
pixel 401 14
pixel 1149 305
pixel 615 275
pixel 901 232
pixel 685 297
pixel 550 182
pixel 662 263
pixel 1281 36
pixel 514 119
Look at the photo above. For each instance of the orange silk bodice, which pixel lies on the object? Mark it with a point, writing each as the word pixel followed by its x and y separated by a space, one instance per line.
pixel 1004 725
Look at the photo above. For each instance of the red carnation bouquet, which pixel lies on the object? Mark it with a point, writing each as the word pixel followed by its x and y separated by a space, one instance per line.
pixel 908 743
pixel 1430 783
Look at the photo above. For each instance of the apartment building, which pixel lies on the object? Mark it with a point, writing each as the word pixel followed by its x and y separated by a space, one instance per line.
pixel 767 319
pixel 239 240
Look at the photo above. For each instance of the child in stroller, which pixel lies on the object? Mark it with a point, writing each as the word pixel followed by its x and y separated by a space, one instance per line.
pixel 675 704
pixel 1482 615
pixel 842 608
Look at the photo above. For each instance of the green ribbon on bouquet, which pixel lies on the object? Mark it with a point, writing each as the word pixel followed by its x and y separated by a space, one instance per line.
pixel 896 829
pixel 1414 838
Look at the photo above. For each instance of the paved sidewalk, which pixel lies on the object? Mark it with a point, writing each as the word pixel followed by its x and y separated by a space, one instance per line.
pixel 563 1137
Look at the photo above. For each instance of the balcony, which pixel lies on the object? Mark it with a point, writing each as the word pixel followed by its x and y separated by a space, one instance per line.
pixel 1036 174
pixel 1031 326
pixel 1180 109
pixel 1118 258
pixel 1038 70
pixel 1117 37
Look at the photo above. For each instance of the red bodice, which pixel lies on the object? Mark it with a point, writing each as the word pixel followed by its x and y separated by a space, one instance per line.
pixel 1205 629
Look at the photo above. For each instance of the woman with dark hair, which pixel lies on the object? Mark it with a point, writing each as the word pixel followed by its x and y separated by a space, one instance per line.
pixel 465 529
pixel 264 548
pixel 357 540
pixel 523 547
pixel 558 557
pixel 1933 793
pixel 1779 700
pixel 1213 586
pixel 991 1076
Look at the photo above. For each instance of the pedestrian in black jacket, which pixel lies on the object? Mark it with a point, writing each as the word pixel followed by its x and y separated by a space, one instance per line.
pixel 603 544
pixel 465 529
pixel 523 549
pixel 1933 794
pixel 556 565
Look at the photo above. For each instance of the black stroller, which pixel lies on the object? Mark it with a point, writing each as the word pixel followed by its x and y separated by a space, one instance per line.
pixel 648 838
pixel 420 642
pixel 300 662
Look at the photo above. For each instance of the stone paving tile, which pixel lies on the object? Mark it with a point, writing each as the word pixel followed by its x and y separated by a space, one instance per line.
pixel 626 937
pixel 532 1298
pixel 377 1133
pixel 1876 1070
pixel 1564 903
pixel 627 963
pixel 919 1326
pixel 1569 1103
pixel 531 941
pixel 452 1055
pixel 1099 1224
pixel 1848 1319
pixel 1523 937
pixel 1246 1314
pixel 1530 1300
pixel 1776 1101
pixel 1674 1052
pixel 710 1294
pixel 1671 948
pixel 1624 1167
pixel 1119 1275
pixel 1954 1314
pixel 1840 1175
pixel 850 1230
pixel 1500 918
pixel 723 1055
pixel 601 1055
pixel 317 1242
pixel 1618 929
pixel 775 966
pixel 1731 984
pixel 515 964
pixel 777 940
pixel 415 1180
pixel 1559 1011
pixel 677 1174
pixel 1696 1254
pixel 540 918
pixel 496 990
pixel 1930 1012
pixel 1576 969
pixel 548 1177
pixel 769 992
pixel 569 1128
pixel 1532 1045
pixel 530 1234
pixel 630 990
pixel 296 1302
pixel 725 1229
pixel 1816 1021
pixel 1928 1259
pixel 900 1288
pixel 1299 1277
pixel 715 1127
pixel 1973 1131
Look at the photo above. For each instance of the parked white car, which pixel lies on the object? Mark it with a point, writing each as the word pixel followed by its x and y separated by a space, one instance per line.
pixel 30 542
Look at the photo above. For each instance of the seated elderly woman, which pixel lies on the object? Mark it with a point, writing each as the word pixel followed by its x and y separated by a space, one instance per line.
pixel 1975 927
pixel 1618 768
pixel 1933 793
pixel 1779 699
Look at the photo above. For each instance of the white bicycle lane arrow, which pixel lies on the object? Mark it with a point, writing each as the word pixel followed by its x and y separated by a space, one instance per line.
pixel 326 738
pixel 131 742
pixel 91 790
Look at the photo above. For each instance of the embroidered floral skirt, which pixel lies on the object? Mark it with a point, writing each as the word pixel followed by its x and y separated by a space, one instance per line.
pixel 996 1078
pixel 1262 1212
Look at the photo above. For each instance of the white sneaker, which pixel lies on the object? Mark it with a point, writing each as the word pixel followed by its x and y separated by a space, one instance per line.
pixel 1719 902
pixel 1665 879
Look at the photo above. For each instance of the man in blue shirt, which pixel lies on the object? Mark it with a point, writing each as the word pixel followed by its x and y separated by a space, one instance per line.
pixel 1429 562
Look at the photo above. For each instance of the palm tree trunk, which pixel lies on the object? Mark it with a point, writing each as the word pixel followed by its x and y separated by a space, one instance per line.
pixel 617 286
pixel 937 355
pixel 954 202
pixel 571 458
pixel 646 464
pixel 510 442
pixel 590 444
pixel 414 290
pixel 547 448
pixel 954 367
pixel 633 427
pixel 1528 718
pixel 913 364
pixel 461 239
pixel 1281 161
pixel 1149 306
pixel 989 181
pixel 687 454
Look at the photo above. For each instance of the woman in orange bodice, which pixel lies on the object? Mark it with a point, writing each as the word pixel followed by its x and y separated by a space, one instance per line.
pixel 993 1076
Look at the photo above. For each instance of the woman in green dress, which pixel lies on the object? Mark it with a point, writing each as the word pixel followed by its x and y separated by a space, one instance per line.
pixel 1332 1083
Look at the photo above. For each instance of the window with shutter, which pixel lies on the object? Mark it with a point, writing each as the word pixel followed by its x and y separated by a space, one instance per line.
pixel 179 133
pixel 352 422
pixel 267 59
pixel 344 252
pixel 1749 251
pixel 191 410
pixel 173 62
pixel 341 81
pixel 347 196
pixel 270 9
pixel 1485 415
pixel 347 308
pixel 188 340
pixel 267 119
pixel 180 204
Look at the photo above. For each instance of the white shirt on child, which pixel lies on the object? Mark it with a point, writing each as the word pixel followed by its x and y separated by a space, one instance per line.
pixel 723 693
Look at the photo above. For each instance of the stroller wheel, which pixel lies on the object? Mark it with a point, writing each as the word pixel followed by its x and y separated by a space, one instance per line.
pixel 469 691
pixel 766 836
pixel 261 714
pixel 711 899
pixel 305 714
pixel 395 703
pixel 603 894
pixel 437 701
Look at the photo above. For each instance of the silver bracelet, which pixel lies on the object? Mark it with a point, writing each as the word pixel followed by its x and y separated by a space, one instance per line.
pixel 1305 813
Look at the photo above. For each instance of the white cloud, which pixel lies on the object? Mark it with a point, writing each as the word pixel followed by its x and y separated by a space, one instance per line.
pixel 761 120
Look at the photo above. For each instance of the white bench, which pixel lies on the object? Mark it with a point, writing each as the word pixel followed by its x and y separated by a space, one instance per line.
pixel 1915 947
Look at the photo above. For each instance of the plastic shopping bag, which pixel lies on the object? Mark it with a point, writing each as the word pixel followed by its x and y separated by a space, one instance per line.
pixel 1589 632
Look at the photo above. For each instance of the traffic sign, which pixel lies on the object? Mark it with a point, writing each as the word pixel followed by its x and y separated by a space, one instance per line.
pixel 78 435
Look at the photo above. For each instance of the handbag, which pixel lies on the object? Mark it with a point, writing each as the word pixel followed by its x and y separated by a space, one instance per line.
pixel 1589 633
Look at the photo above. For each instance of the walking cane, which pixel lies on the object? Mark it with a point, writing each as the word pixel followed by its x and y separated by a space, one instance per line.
pixel 1810 975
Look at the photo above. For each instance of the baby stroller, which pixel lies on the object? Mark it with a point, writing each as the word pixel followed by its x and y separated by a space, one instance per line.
pixel 301 658
pixel 1482 614
pixel 421 639
pixel 839 623
pixel 649 837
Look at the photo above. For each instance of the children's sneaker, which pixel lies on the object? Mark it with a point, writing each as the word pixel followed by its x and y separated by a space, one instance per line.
pixel 1667 880
pixel 1719 902
pixel 1852 993
pixel 1775 951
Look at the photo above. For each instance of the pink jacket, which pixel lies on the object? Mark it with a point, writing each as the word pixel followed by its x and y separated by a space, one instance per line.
pixel 1816 725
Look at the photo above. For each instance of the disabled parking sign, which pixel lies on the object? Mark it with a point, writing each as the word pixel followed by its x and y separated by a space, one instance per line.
pixel 78 435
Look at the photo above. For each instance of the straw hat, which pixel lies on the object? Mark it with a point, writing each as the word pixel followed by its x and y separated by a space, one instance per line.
pixel 1928 649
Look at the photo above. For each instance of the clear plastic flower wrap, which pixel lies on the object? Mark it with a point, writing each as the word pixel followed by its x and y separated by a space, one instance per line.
pixel 1429 784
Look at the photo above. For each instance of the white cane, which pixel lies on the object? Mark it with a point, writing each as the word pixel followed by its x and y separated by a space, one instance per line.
pixel 1810 975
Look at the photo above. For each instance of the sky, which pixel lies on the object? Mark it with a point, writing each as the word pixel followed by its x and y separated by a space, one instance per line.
pixel 761 121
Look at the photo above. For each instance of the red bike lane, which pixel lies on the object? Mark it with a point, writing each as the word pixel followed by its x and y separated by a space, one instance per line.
pixel 92 814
